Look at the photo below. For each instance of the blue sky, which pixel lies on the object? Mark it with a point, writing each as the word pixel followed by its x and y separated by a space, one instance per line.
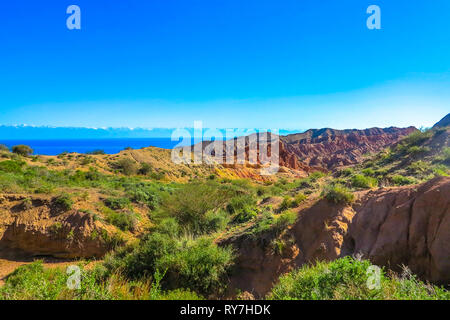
pixel 245 64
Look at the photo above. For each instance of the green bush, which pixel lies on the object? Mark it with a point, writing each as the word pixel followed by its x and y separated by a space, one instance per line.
pixel 96 152
pixel 316 175
pixel 338 194
pixel 417 138
pixel 127 166
pixel 34 282
pixel 400 180
pixel 368 172
pixel 283 220
pixel 199 264
pixel 240 202
pixel 345 172
pixel 12 166
pixel 63 201
pixel 360 181
pixel 22 150
pixel 145 169
pixel 125 221
pixel 346 279
pixel 190 203
pixel 245 214
pixel 243 207
pixel 299 198
pixel 285 204
pixel 441 171
pixel 144 194
pixel 416 150
pixel 117 203
pixel 419 167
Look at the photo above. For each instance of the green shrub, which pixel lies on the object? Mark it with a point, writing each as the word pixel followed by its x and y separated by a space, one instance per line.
pixel 12 166
pixel 240 202
pixel 346 279
pixel 96 152
pixel 345 172
pixel 285 204
pixel 360 181
pixel 167 226
pixel 34 282
pixel 55 228
pixel 117 203
pixel 190 203
pixel 419 167
pixel 338 194
pixel 402 180
pixel 316 175
pixel 416 150
pixel 22 150
pixel 127 166
pixel 141 193
pixel 441 171
pixel 63 201
pixel 299 198
pixel 446 155
pixel 264 223
pixel 125 221
pixel 245 214
pixel 145 169
pixel 368 172
pixel 198 264
pixel 305 183
pixel 157 175
pixel 87 160
pixel 27 203
pixel 283 220
pixel 417 138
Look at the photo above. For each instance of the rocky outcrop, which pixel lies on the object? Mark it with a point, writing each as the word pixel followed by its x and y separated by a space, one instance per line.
pixel 392 227
pixel 36 226
pixel 405 226
pixel 329 148
pixel 316 149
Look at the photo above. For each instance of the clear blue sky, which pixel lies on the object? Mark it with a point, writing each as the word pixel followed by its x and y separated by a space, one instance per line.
pixel 230 63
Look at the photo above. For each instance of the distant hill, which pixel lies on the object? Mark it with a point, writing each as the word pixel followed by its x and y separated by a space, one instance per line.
pixel 330 148
pixel 445 122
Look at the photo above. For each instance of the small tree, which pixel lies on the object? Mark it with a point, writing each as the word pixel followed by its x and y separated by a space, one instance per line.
pixel 22 150
pixel 96 152
pixel 127 166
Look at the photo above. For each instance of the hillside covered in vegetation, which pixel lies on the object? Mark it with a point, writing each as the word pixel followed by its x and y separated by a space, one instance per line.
pixel 141 227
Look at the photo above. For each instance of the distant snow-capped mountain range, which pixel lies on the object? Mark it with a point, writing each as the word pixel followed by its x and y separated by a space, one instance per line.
pixel 47 132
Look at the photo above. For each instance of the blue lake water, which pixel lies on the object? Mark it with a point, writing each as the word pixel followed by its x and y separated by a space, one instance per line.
pixel 110 146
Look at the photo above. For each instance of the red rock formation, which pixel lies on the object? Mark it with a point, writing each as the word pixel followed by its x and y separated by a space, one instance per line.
pixel 329 148
pixel 392 227
pixel 406 226
pixel 324 149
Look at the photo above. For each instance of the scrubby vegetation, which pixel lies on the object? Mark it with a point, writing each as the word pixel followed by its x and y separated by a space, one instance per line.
pixel 351 279
pixel 34 282
pixel 177 253
pixel 338 194
pixel 417 158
